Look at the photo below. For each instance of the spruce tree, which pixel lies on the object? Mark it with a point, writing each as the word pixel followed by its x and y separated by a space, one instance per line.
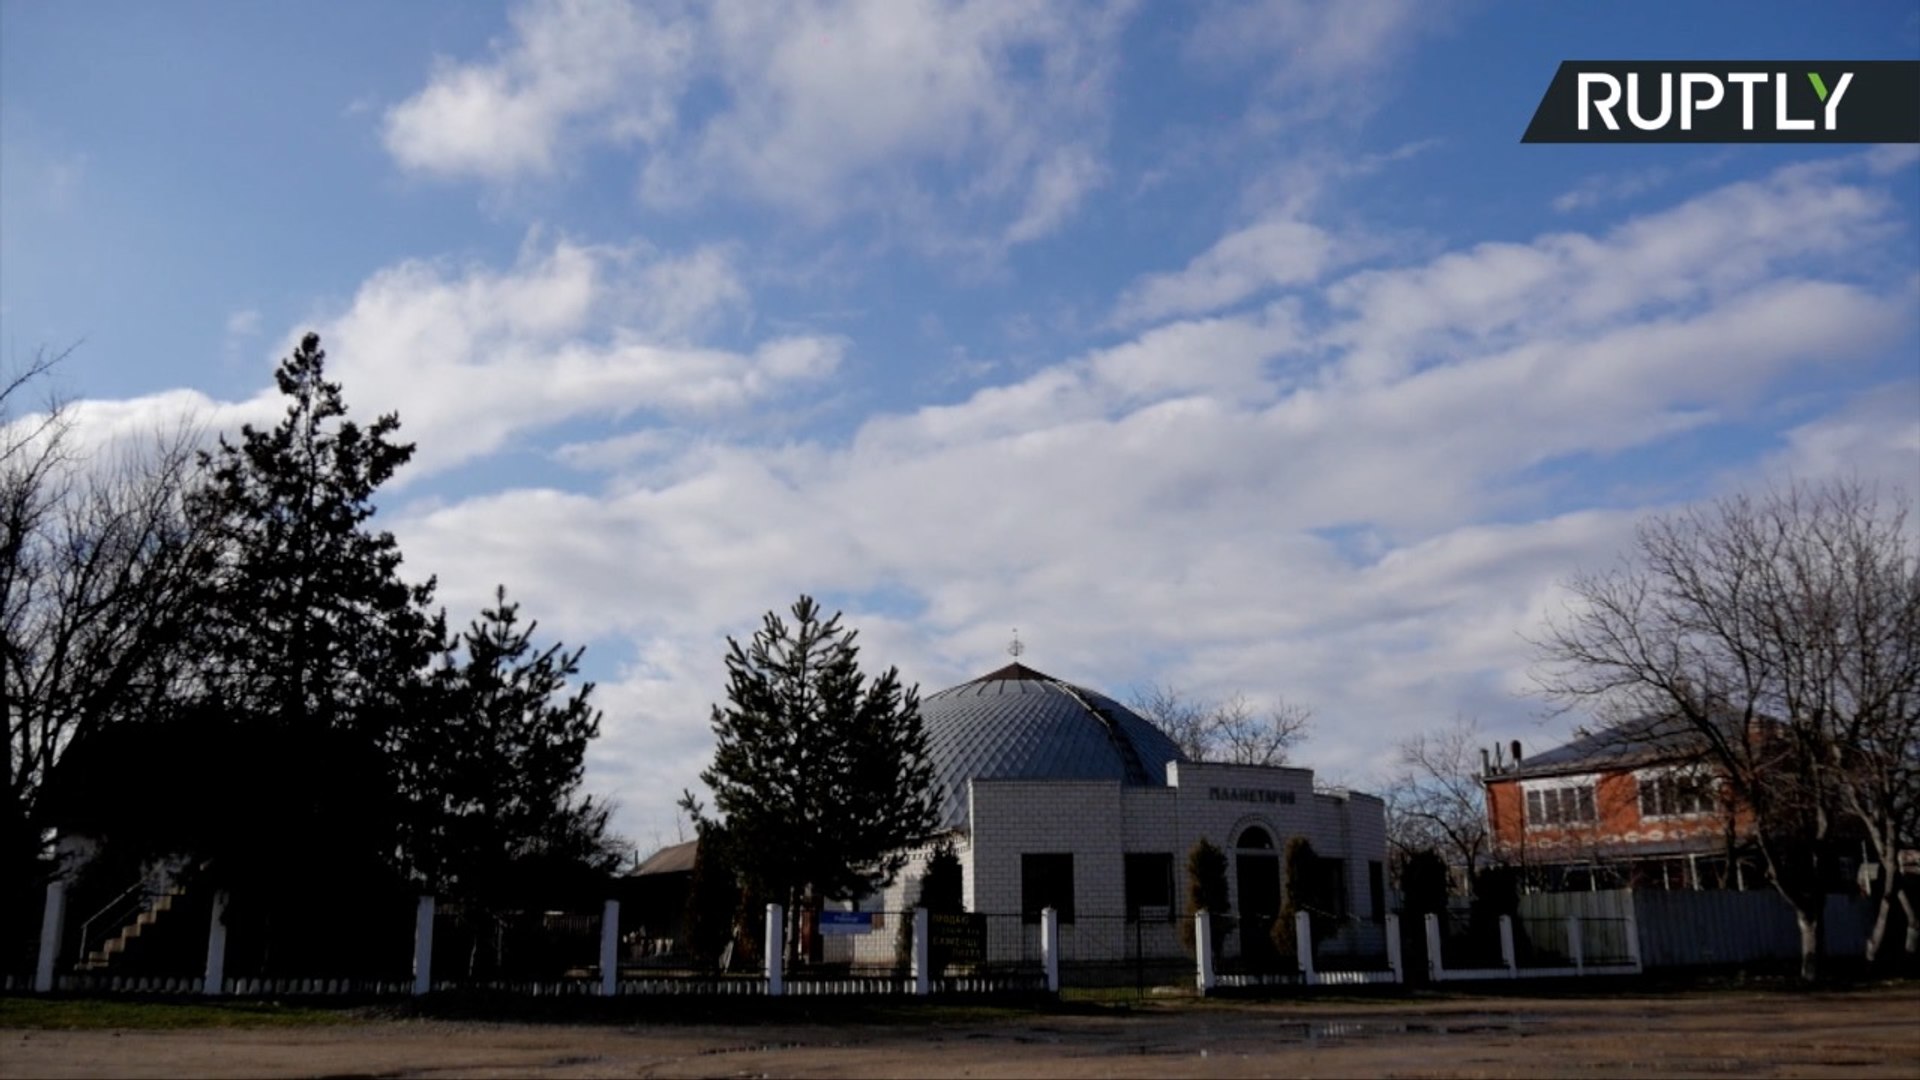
pixel 713 897
pixel 307 621
pixel 508 754
pixel 943 890
pixel 821 776
pixel 304 624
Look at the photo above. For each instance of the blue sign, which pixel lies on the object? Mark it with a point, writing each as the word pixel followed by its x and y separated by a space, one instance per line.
pixel 846 922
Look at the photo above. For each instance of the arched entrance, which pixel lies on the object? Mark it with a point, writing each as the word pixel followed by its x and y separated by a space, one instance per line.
pixel 1256 863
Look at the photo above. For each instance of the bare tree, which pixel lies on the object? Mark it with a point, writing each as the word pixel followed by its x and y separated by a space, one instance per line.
pixel 96 558
pixel 1182 718
pixel 1435 801
pixel 1245 736
pixel 1784 630
pixel 1231 730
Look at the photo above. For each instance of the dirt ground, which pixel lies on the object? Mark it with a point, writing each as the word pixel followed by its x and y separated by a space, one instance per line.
pixel 1709 1034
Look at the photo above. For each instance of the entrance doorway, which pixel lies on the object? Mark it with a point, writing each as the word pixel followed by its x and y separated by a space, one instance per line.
pixel 1257 865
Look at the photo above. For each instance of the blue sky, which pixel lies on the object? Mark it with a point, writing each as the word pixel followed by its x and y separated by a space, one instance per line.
pixel 1240 347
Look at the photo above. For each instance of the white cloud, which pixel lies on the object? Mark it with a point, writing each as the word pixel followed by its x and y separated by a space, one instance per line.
pixel 1707 248
pixel 1875 437
pixel 583 70
pixel 1059 183
pixel 621 451
pixel 1275 252
pixel 1172 507
pixel 1360 505
pixel 245 323
pixel 1325 60
pixel 819 108
pixel 680 298
pixel 1612 187
pixel 469 356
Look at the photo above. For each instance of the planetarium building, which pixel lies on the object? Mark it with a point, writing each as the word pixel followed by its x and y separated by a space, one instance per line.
pixel 1058 796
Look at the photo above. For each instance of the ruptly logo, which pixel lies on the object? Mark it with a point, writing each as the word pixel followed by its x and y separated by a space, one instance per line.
pixel 1859 101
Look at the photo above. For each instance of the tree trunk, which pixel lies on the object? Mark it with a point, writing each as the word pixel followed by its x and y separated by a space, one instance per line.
pixel 1912 943
pixel 1809 941
pixel 1881 913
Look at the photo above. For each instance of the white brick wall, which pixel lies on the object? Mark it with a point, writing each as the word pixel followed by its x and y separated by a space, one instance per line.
pixel 1097 822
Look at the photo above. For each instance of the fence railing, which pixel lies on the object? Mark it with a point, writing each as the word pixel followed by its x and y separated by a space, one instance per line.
pixel 1344 967
pixel 1540 947
pixel 900 953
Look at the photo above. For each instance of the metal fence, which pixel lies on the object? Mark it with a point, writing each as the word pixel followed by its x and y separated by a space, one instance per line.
pixel 1467 942
pixel 454 947
pixel 1355 944
pixel 1676 928
pixel 1542 943
pixel 1727 927
pixel 496 950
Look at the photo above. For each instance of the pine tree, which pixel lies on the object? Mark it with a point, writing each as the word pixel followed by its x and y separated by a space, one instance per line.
pixel 304 624
pixel 509 754
pixel 306 619
pixel 821 777
pixel 713 897
pixel 943 890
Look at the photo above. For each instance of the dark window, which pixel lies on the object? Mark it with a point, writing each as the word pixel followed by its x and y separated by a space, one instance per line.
pixel 1149 886
pixel 1046 881
pixel 1377 889
pixel 1256 838
pixel 1333 879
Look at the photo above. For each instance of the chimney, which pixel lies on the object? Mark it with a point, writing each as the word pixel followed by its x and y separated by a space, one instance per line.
pixel 1516 753
pixel 1486 763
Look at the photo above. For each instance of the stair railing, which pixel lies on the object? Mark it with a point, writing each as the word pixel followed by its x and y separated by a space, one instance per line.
pixel 114 917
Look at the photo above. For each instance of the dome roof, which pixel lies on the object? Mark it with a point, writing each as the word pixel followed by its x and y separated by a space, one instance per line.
pixel 1019 724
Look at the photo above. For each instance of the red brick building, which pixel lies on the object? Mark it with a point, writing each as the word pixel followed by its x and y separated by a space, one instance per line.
pixel 1629 805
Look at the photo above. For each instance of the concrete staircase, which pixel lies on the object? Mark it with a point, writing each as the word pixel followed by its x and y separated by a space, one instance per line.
pixel 102 958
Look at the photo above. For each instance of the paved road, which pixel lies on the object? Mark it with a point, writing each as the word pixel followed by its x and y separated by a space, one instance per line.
pixel 1718 1034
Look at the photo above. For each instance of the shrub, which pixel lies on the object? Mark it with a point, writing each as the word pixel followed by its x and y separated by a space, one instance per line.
pixel 1207 891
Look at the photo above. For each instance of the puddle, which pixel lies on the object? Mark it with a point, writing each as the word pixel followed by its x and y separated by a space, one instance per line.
pixel 1313 1031
pixel 770 1047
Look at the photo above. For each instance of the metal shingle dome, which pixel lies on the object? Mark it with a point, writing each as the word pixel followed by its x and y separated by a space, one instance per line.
pixel 1019 724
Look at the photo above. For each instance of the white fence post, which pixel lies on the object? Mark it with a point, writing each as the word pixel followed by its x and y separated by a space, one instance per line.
pixel 922 975
pixel 1436 965
pixel 1393 948
pixel 610 949
pixel 53 926
pixel 776 951
pixel 1576 945
pixel 423 946
pixel 1506 946
pixel 216 981
pixel 1203 949
pixel 1303 946
pixel 1050 947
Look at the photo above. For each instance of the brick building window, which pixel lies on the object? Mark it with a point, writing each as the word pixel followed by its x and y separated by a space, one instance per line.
pixel 1675 794
pixel 1333 880
pixel 1568 805
pixel 1046 881
pixel 1149 886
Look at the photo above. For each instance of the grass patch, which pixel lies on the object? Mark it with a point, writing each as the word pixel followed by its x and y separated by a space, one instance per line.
pixel 98 1013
